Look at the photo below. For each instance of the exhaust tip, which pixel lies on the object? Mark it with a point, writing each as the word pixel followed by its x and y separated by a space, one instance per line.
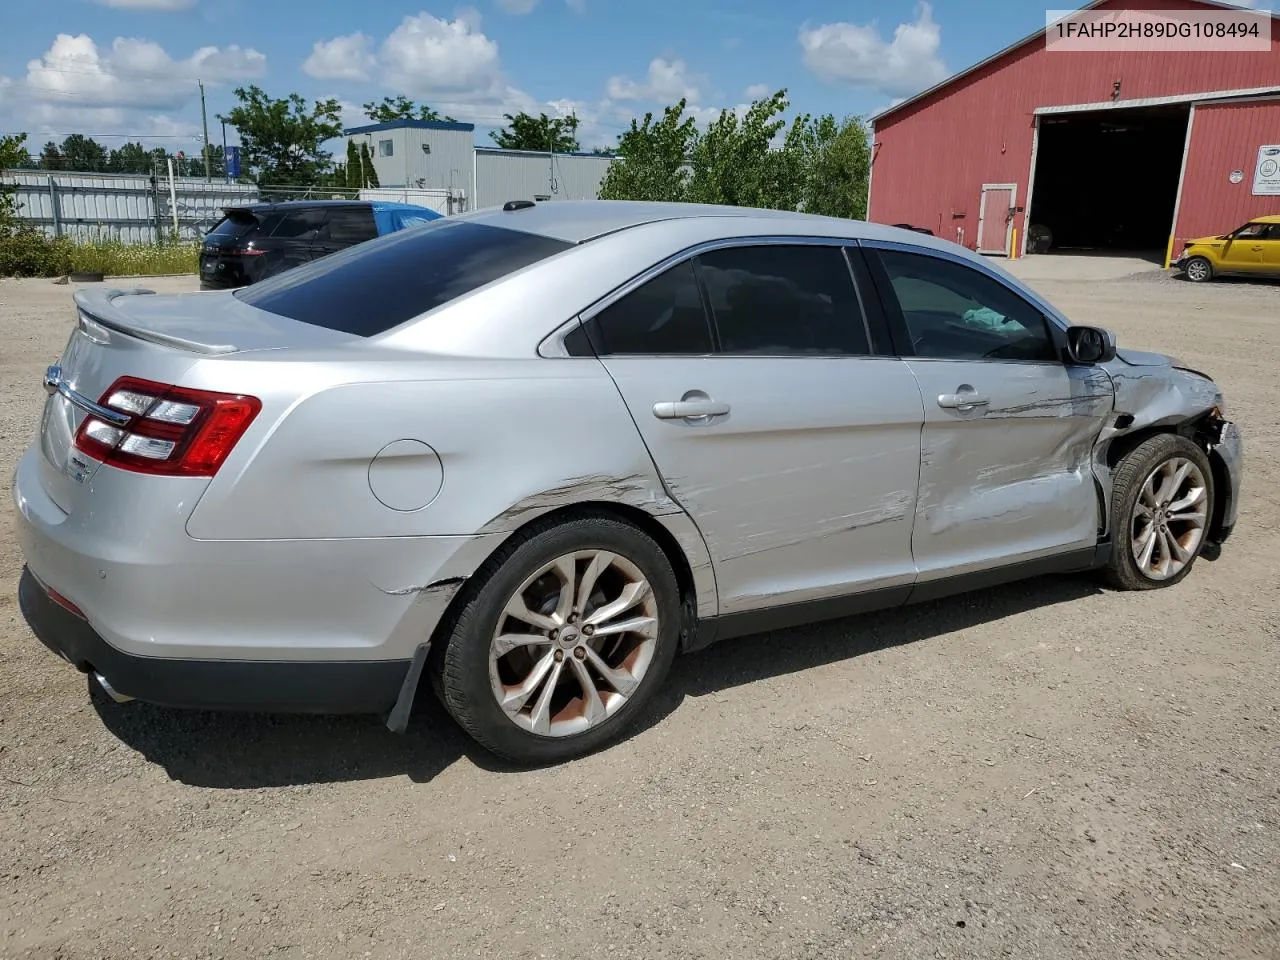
pixel 109 690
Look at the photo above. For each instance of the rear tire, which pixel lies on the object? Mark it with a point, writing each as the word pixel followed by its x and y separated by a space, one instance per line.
pixel 555 716
pixel 1162 501
pixel 1198 270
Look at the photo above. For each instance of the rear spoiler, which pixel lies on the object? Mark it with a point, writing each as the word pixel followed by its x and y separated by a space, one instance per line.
pixel 98 307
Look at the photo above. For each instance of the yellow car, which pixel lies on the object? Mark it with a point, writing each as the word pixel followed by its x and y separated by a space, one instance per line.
pixel 1250 250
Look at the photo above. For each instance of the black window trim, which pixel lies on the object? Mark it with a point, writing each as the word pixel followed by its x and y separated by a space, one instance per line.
pixel 552 346
pixel 1055 324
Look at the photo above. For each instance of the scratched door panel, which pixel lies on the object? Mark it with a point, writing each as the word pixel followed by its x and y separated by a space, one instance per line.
pixel 1009 479
pixel 806 488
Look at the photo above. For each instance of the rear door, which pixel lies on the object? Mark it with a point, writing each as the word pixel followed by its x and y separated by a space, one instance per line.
pixel 791 440
pixel 345 227
pixel 294 236
pixel 1006 455
pixel 1271 249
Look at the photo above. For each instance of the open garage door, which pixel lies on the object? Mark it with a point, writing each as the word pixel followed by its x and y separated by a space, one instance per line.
pixel 1107 180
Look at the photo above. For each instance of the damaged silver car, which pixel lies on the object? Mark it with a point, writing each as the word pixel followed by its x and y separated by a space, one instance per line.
pixel 528 455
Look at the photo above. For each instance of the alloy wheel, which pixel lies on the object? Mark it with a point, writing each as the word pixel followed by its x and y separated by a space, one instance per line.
pixel 1169 518
pixel 573 643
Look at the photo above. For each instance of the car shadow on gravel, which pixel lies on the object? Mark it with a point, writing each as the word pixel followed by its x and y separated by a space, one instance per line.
pixel 251 751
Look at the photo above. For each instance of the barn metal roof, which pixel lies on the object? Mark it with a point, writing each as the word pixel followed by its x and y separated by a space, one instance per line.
pixel 1023 42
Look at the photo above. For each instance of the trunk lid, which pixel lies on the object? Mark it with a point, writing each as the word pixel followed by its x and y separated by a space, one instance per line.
pixel 139 334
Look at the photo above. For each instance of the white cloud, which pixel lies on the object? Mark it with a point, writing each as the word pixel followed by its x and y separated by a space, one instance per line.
pixel 758 90
pixel 857 54
pixel 577 6
pixel 149 4
pixel 667 81
pixel 426 55
pixel 131 87
pixel 451 65
pixel 138 73
pixel 342 58
pixel 518 7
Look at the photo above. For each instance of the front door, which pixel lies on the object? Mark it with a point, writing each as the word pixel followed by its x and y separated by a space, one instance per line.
pixel 794 449
pixel 995 217
pixel 1007 447
pixel 1243 251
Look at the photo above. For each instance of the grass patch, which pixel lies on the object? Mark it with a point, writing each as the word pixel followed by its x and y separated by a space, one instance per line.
pixel 30 253
pixel 134 259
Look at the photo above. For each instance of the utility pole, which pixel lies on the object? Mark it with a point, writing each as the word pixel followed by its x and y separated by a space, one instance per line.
pixel 226 170
pixel 204 121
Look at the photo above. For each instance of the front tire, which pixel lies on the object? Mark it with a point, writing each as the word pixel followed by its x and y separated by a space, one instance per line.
pixel 572 629
pixel 1198 270
pixel 1162 502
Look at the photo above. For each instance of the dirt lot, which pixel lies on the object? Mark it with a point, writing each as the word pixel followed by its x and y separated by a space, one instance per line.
pixel 1042 771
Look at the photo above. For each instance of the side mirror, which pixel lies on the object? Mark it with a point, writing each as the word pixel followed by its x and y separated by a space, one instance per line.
pixel 1090 344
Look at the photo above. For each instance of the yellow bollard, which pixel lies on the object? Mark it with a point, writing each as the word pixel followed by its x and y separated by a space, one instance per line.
pixel 1013 245
pixel 1168 254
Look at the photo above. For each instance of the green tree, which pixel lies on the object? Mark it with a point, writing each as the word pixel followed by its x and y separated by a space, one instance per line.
pixel 366 164
pixel 355 179
pixel 282 141
pixel 734 160
pixel 653 159
pixel 50 157
pixel 837 166
pixel 527 132
pixel 13 154
pixel 129 158
pixel 819 165
pixel 83 153
pixel 401 108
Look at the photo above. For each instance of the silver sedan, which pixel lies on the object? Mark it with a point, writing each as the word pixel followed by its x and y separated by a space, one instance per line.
pixel 529 455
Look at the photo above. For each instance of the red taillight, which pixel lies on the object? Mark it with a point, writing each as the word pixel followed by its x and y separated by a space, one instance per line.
pixel 64 603
pixel 173 431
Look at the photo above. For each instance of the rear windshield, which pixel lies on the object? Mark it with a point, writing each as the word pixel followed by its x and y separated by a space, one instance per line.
pixel 374 286
pixel 235 224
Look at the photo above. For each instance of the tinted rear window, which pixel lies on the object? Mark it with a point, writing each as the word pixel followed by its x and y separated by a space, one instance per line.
pixel 370 288
pixel 233 225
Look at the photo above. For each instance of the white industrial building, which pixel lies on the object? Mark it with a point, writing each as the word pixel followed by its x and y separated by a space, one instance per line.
pixel 433 155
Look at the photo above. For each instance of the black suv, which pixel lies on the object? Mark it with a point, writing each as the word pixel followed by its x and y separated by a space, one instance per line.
pixel 259 240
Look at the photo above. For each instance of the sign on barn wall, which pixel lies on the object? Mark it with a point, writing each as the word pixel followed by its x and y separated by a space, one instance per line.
pixel 1266 176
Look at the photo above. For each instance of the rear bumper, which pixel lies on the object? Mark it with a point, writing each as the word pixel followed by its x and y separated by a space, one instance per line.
pixel 153 594
pixel 315 686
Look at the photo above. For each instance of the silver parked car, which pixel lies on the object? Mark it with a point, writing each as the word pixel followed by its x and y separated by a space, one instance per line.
pixel 531 454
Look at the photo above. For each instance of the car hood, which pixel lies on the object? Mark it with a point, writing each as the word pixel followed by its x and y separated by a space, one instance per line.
pixel 1141 358
pixel 1207 242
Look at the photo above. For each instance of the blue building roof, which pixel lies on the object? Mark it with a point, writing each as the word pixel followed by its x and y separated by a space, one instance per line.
pixel 543 153
pixel 416 124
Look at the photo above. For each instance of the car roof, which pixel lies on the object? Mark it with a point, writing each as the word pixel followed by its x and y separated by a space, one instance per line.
pixel 578 221
pixel 276 206
pixel 1269 218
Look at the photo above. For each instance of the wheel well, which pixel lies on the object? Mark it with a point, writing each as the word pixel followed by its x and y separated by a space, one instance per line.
pixel 1121 447
pixel 632 515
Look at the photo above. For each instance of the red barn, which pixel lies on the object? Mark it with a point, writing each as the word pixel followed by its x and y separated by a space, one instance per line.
pixel 1089 149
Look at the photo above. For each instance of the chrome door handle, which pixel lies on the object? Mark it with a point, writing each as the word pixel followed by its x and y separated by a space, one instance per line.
pixel 689 409
pixel 961 401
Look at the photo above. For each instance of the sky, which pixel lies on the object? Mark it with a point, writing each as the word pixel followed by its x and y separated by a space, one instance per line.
pixel 128 69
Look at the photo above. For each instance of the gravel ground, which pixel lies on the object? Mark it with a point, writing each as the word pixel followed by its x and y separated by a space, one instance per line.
pixel 1046 770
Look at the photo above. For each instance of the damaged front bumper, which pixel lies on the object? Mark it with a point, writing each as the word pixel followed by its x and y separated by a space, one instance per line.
pixel 1227 446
